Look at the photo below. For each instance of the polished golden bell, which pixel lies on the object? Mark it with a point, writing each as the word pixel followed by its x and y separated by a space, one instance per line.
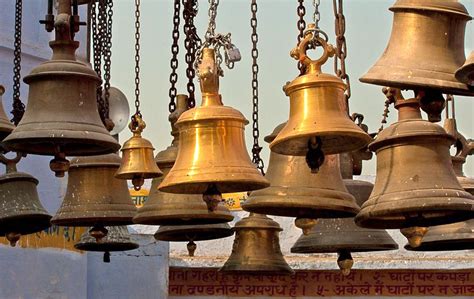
pixel 296 192
pixel 5 125
pixel 426 47
pixel 465 73
pixel 256 247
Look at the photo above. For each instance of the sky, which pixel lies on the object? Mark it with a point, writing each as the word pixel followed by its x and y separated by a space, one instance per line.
pixel 368 29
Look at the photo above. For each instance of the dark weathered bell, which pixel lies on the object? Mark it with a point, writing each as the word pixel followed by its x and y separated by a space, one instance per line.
pixel 256 247
pixel 296 192
pixel 117 239
pixel 177 209
pixel 415 184
pixel 5 125
pixel 465 73
pixel 318 110
pixel 21 211
pixel 94 196
pixel 422 27
pixel 193 233
pixel 212 157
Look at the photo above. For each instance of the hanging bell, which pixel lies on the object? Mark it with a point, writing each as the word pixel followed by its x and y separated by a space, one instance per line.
pixel 21 210
pixel 256 247
pixel 296 192
pixel 117 239
pixel 319 119
pixel 137 157
pixel 177 209
pixel 193 233
pixel 5 125
pixel 212 157
pixel 415 184
pixel 421 27
pixel 465 73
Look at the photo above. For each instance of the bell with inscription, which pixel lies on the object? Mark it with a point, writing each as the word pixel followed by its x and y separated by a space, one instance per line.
pixel 318 121
pixel 177 209
pixel 296 192
pixel 193 233
pixel 256 247
pixel 421 27
pixel 5 125
pixel 212 157
pixel 117 239
pixel 465 73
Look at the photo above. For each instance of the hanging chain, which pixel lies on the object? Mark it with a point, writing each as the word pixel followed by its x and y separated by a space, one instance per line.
pixel 107 48
pixel 390 94
pixel 137 60
pixel 301 26
pixel 211 28
pixel 316 14
pixel 341 46
pixel 97 26
pixel 192 42
pixel 18 106
pixel 256 149
pixel 174 58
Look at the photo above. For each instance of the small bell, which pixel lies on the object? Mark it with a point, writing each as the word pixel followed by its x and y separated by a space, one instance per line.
pixel 137 157
pixel 212 157
pixel 256 247
pixel 319 123
pixel 421 27
pixel 465 73
pixel 192 233
pixel 5 125
pixel 117 239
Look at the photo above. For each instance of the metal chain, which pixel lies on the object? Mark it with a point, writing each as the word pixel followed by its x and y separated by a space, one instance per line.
pixel 137 59
pixel 211 28
pixel 174 58
pixel 96 14
pixel 107 48
pixel 18 106
pixel 301 26
pixel 390 95
pixel 192 42
pixel 256 149
pixel 341 46
pixel 316 15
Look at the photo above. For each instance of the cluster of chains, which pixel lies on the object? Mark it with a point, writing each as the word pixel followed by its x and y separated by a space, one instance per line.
pixel 174 56
pixel 192 43
pixel 18 106
pixel 137 60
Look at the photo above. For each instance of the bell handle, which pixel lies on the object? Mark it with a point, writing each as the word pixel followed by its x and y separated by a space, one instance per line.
pixel 10 164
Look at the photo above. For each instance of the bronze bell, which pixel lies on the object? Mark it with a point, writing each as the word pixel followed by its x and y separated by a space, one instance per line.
pixel 177 209
pixel 465 73
pixel 318 110
pixel 21 210
pixel 212 157
pixel 193 233
pixel 256 247
pixel 137 157
pixel 425 48
pixel 94 197
pixel 5 125
pixel 296 192
pixel 61 117
pixel 117 239
pixel 415 184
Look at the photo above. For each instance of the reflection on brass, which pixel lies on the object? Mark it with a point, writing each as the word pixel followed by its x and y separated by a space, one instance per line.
pixel 465 73
pixel 5 125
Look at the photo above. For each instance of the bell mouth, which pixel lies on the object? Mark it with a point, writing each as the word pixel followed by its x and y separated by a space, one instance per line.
pixel 178 217
pixel 110 218
pixel 186 233
pixel 332 248
pixel 25 224
pixel 451 242
pixel 104 247
pixel 257 268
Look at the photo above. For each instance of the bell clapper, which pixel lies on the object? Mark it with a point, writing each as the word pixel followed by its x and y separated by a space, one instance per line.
pixel 98 232
pixel 432 102
pixel 305 224
pixel 13 238
pixel 191 248
pixel 106 257
pixel 345 262
pixel 314 156
pixel 59 164
pixel 414 235
pixel 138 182
pixel 212 197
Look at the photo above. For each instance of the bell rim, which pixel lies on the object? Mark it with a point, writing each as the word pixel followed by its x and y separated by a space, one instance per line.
pixel 104 247
pixel 458 243
pixel 234 267
pixel 28 223
pixel 202 235
pixel 18 176
pixel 334 248
pixel 152 218
pixel 456 8
pixel 149 174
pixel 68 219
pixel 465 74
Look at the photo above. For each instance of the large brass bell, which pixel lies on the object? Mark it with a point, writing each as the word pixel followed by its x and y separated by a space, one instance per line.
pixel 193 233
pixel 415 184
pixel 212 157
pixel 117 239
pixel 21 210
pixel 177 209
pixel 426 47
pixel 61 117
pixel 256 247
pixel 465 73
pixel 318 110
pixel 296 192
pixel 5 125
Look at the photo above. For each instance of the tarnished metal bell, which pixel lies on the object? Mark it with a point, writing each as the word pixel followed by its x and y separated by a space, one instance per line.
pixel 415 184
pixel 426 47
pixel 5 125
pixel 256 247
pixel 318 110
pixel 193 233
pixel 117 239
pixel 177 209
pixel 94 196
pixel 465 73
pixel 21 211
pixel 212 157
pixel 296 192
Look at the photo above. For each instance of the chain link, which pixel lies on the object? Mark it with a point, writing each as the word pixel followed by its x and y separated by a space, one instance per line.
pixel 18 106
pixel 211 28
pixel 390 94
pixel 192 42
pixel 301 26
pixel 107 48
pixel 137 59
pixel 174 58
pixel 316 15
pixel 341 46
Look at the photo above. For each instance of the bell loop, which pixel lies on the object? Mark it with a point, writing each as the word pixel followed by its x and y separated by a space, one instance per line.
pixel 10 164
pixel 137 125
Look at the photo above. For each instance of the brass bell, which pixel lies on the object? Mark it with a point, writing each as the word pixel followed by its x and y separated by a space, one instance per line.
pixel 465 73
pixel 319 117
pixel 426 47
pixel 256 247
pixel 21 210
pixel 137 157
pixel 117 239
pixel 61 117
pixel 94 197
pixel 193 233
pixel 415 184
pixel 5 125
pixel 212 157
pixel 296 192
pixel 177 209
